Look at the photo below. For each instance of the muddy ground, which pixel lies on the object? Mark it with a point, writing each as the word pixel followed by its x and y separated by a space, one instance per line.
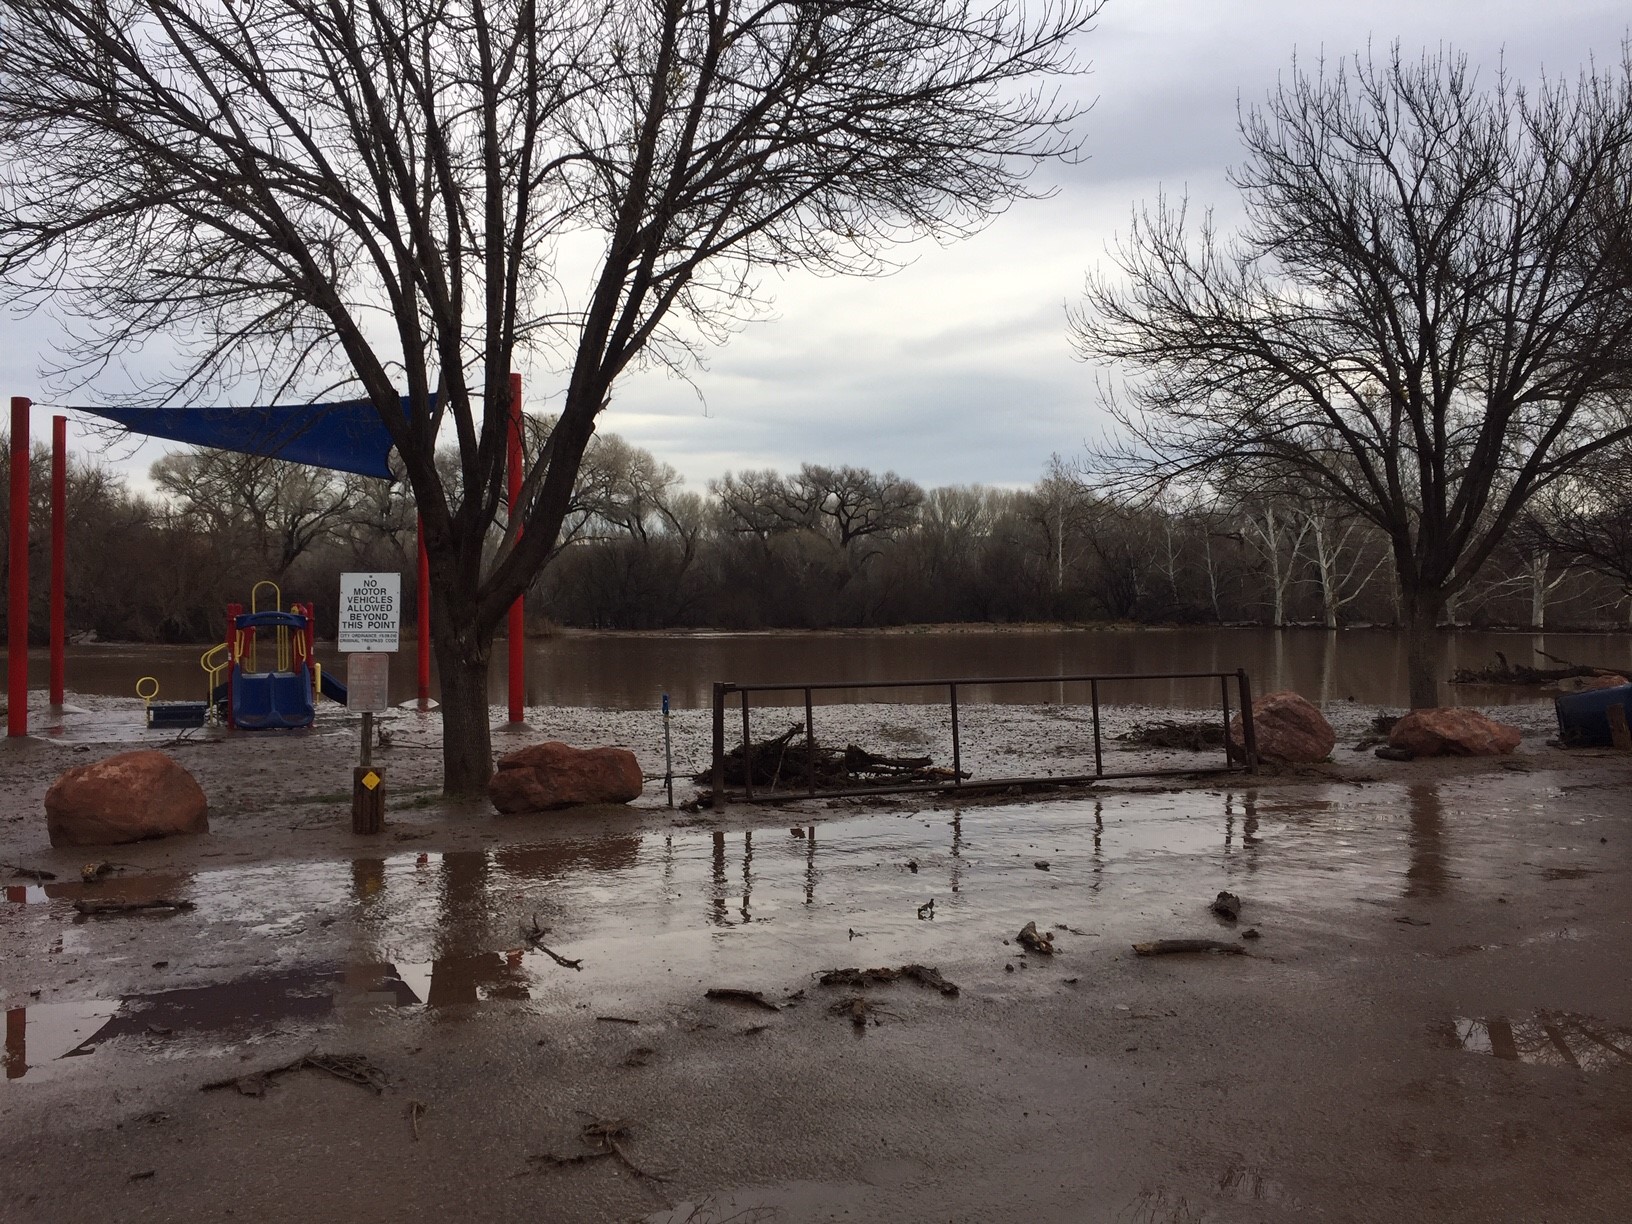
pixel 1434 1023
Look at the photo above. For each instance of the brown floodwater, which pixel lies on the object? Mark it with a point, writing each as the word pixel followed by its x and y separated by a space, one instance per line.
pixel 632 671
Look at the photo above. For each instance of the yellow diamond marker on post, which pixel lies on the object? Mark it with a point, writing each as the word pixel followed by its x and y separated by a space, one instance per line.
pixel 371 779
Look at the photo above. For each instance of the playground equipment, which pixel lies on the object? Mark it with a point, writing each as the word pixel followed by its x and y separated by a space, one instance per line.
pixel 170 714
pixel 247 696
pixel 345 436
pixel 283 693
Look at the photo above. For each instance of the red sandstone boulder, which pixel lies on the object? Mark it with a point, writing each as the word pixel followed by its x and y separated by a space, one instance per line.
pixel 1288 730
pixel 125 798
pixel 545 776
pixel 1452 732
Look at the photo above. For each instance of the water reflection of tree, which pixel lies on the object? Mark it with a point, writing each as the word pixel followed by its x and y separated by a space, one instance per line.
pixel 1549 1039
pixel 1426 876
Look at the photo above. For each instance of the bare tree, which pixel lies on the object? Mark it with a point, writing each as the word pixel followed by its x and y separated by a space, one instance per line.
pixel 1337 544
pixel 854 508
pixel 271 510
pixel 401 196
pixel 1583 523
pixel 1426 316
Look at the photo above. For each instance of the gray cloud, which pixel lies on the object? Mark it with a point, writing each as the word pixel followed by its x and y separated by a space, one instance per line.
pixel 957 369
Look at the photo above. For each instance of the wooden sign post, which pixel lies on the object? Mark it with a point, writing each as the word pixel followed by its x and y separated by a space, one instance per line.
pixel 370 614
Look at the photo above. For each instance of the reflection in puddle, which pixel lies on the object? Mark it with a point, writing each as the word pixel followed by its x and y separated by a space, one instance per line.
pixel 44 1032
pixel 441 929
pixel 1549 1039
pixel 1425 877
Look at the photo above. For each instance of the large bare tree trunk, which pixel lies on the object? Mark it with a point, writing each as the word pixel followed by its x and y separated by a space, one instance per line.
pixel 467 742
pixel 1422 646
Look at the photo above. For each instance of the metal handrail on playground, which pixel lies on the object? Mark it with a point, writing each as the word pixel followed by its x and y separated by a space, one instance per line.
pixel 958 782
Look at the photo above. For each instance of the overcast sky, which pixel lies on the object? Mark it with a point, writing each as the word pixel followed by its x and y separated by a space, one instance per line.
pixel 958 369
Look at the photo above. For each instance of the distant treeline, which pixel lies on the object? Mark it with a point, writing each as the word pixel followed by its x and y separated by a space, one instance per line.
pixel 824 547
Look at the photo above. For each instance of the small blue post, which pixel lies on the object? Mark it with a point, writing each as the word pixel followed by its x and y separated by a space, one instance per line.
pixel 668 752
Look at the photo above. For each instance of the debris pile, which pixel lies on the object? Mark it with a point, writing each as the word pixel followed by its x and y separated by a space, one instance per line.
pixel 791 761
pixel 1503 672
pixel 924 975
pixel 1167 733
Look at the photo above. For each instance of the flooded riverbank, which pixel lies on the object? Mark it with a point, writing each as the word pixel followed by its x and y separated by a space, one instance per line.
pixel 632 671
pixel 1430 947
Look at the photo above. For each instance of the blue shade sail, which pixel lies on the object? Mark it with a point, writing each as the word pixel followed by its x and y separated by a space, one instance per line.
pixel 348 437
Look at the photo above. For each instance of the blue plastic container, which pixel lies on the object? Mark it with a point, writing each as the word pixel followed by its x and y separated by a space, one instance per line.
pixel 1583 718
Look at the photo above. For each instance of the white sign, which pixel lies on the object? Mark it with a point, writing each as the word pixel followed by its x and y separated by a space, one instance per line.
pixel 368 679
pixel 370 612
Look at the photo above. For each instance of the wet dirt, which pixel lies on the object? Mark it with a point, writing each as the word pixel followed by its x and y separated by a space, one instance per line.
pixel 1470 1063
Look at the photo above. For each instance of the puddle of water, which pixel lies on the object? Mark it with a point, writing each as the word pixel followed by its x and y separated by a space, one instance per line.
pixel 435 930
pixel 135 887
pixel 42 1033
pixel 1547 1039
pixel 178 1020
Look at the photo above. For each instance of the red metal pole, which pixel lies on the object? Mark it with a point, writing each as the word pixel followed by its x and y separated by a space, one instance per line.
pixel 59 555
pixel 424 642
pixel 517 627
pixel 17 575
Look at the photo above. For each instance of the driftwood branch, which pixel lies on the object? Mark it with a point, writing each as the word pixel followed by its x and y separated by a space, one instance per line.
pixel 732 994
pixel 535 940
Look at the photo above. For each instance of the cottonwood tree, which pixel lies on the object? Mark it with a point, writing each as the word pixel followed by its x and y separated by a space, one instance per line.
pixel 1426 316
pixel 403 197
pixel 854 508
pixel 268 509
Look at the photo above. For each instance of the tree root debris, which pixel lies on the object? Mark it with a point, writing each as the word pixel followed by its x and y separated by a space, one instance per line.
pixel 858 1010
pixel 1227 906
pixel 1031 941
pixel 84 906
pixel 600 1138
pixel 924 975
pixel 1168 947
pixel 353 1068
pixel 732 994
